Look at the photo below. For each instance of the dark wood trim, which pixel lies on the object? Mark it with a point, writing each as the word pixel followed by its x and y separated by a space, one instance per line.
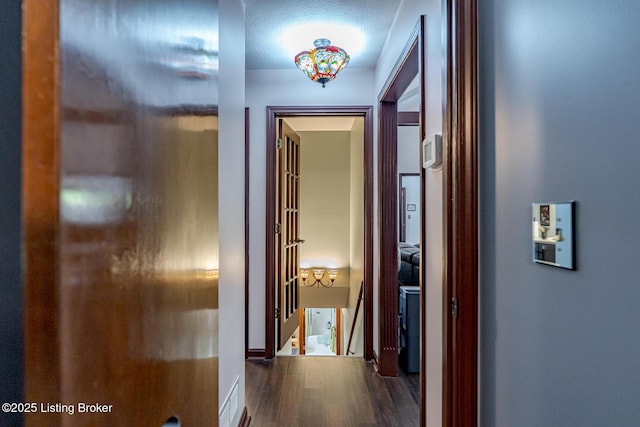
pixel 353 322
pixel 40 206
pixel 247 168
pixel 446 215
pixel 388 220
pixel 273 113
pixel 255 353
pixel 245 419
pixel 338 333
pixel 403 73
pixel 460 169
pixel 303 337
pixel 368 234
pixel 408 118
pixel 423 225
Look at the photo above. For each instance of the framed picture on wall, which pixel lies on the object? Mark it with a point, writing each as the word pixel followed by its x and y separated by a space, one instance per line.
pixel 544 215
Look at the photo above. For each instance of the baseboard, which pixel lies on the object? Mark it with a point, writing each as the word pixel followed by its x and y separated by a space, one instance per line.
pixel 245 419
pixel 255 353
pixel 375 361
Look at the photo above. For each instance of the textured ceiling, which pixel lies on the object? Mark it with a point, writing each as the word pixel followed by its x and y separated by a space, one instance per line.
pixel 269 21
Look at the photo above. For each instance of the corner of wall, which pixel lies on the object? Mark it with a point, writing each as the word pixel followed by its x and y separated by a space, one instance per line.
pixel 231 205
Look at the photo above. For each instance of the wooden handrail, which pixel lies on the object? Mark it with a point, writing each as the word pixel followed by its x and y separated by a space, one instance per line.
pixel 353 325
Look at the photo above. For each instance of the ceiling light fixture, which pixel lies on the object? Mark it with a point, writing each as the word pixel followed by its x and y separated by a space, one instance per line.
pixel 322 63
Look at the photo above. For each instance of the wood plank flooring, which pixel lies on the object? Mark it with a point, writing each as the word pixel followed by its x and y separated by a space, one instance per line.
pixel 328 391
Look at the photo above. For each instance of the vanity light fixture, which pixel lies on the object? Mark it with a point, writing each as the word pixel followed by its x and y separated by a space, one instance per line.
pixel 318 276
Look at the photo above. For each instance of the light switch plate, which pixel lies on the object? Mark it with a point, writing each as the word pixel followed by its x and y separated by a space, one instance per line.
pixel 553 234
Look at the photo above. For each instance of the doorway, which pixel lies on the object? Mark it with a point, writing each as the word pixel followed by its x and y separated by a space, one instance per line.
pixel 320 225
pixel 407 70
pixel 274 115
pixel 321 331
pixel 459 211
pixel 319 334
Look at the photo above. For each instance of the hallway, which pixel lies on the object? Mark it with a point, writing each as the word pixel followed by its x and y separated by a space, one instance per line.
pixel 328 391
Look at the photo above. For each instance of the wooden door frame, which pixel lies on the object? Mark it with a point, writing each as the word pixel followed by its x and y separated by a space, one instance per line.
pixel 302 335
pixel 273 113
pixel 409 64
pixel 338 329
pixel 460 215
pixel 460 212
pixel 41 205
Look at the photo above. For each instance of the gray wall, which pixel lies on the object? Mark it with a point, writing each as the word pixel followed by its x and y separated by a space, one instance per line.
pixel 10 146
pixel 560 120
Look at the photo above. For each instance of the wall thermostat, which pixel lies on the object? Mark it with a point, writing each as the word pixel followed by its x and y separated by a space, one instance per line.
pixel 432 151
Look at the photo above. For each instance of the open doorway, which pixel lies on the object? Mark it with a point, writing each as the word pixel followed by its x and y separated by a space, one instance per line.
pixel 321 331
pixel 459 344
pixel 319 334
pixel 319 232
pixel 410 209
pixel 400 115
pixel 334 224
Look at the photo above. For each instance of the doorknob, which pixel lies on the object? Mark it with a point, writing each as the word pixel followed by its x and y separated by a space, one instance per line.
pixel 299 241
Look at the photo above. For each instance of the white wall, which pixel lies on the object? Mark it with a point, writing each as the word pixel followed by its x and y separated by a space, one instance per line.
pixel 407 18
pixel 324 201
pixel 284 88
pixel 320 318
pixel 409 162
pixel 559 102
pixel 408 149
pixel 231 201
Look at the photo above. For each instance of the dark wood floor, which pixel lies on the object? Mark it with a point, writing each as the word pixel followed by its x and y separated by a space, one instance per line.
pixel 328 391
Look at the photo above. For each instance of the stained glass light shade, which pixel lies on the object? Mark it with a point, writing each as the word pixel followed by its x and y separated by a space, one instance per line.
pixel 322 63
